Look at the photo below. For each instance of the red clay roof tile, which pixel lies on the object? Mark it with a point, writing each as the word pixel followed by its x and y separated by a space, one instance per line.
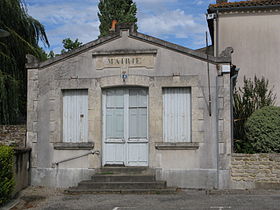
pixel 249 3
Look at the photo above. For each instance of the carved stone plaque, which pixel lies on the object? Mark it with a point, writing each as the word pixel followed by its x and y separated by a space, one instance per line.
pixel 125 61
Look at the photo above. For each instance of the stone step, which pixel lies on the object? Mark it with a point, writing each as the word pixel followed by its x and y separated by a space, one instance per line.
pixel 123 178
pixel 121 191
pixel 89 184
pixel 124 170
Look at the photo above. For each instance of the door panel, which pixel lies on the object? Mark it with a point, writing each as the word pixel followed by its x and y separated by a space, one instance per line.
pixel 125 127
pixel 115 153
pixel 137 154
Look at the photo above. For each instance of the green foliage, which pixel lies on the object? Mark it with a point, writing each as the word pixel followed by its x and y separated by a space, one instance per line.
pixel 262 130
pixel 69 45
pixel 252 96
pixel 7 181
pixel 51 54
pixel 124 11
pixel 25 32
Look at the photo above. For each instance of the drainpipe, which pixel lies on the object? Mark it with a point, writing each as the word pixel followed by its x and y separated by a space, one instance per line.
pixel 217 134
pixel 232 81
pixel 216 34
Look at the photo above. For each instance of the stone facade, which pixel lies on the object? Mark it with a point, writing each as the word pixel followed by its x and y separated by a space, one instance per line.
pixel 13 135
pixel 148 63
pixel 255 170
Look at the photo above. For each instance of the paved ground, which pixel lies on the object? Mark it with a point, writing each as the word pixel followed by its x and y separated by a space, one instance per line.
pixel 49 199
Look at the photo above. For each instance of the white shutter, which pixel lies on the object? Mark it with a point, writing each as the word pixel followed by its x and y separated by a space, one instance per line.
pixel 177 114
pixel 75 116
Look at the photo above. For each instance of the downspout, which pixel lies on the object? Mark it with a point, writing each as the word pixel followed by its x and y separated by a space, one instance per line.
pixel 232 81
pixel 216 34
pixel 208 76
pixel 217 134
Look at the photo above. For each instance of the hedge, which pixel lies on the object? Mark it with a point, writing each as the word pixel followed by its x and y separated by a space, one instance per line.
pixel 7 181
pixel 262 130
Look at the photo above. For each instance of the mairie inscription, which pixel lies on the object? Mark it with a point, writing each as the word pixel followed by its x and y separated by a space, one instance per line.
pixel 125 61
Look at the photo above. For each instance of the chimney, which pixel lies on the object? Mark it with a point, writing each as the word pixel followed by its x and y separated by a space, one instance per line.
pixel 113 27
pixel 221 1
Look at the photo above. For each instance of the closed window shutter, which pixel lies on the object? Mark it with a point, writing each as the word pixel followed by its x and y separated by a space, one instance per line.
pixel 75 116
pixel 177 114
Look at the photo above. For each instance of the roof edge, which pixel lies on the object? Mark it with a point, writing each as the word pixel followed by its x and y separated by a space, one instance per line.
pixel 32 62
pixel 181 49
pixel 223 9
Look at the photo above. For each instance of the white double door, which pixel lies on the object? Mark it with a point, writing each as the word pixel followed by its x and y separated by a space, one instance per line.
pixel 125 130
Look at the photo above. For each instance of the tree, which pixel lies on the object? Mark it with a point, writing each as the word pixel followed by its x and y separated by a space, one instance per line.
pixel 252 96
pixel 124 11
pixel 69 45
pixel 25 33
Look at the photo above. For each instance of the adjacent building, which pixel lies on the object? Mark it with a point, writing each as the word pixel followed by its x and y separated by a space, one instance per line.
pixel 252 29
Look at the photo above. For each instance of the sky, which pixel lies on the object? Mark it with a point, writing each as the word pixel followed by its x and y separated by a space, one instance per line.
pixel 181 22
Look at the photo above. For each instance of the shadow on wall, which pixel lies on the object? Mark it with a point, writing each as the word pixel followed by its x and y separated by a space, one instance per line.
pixel 21 168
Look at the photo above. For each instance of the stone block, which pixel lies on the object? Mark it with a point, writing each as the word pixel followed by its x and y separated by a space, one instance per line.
pixel 236 162
pixel 221 114
pixel 35 105
pixel 198 136
pixel 199 103
pixel 198 114
pixel 251 171
pixel 221 125
pixel 220 102
pixel 53 94
pixel 198 126
pixel 34 155
pixel 53 116
pixel 220 136
pixel 52 104
pixel 52 126
pixel 221 92
pixel 35 126
pixel 238 171
pixel 31 138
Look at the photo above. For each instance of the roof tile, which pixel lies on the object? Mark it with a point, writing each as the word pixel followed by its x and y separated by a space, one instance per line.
pixel 249 3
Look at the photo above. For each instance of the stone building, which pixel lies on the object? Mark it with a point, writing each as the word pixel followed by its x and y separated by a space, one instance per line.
pixel 134 100
pixel 252 29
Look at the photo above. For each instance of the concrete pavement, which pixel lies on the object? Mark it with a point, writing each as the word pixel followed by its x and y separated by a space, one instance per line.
pixel 49 199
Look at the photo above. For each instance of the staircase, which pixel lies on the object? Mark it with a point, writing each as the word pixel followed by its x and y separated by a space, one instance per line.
pixel 122 180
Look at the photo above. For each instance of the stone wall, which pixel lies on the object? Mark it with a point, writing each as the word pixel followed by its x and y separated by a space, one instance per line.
pixel 255 171
pixel 13 135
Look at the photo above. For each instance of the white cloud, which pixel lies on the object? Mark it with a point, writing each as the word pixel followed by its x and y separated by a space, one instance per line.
pixel 171 23
pixel 160 18
pixel 63 20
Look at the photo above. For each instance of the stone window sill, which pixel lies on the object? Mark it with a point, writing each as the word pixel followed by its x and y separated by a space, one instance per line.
pixel 177 146
pixel 73 146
